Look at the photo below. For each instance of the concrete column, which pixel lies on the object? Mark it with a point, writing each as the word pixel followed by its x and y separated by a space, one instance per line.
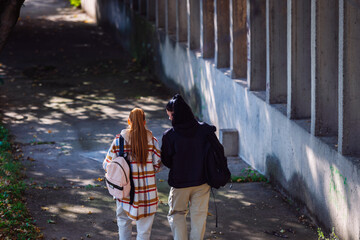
pixel 181 20
pixel 324 67
pixel 299 59
pixel 276 57
pixel 160 13
pixel 150 9
pixel 238 39
pixel 256 20
pixel 142 7
pixel 207 44
pixel 349 75
pixel 170 16
pixel 135 5
pixel 222 33
pixel 194 24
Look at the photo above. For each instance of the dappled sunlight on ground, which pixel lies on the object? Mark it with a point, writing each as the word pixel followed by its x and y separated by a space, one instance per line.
pixel 64 100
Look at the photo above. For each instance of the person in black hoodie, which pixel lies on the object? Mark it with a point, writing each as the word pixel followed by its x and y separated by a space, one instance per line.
pixel 183 152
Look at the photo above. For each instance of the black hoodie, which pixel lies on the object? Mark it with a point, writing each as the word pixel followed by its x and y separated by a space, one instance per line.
pixel 183 147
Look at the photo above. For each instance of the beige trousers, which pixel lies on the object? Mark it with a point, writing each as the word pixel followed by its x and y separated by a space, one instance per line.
pixel 181 200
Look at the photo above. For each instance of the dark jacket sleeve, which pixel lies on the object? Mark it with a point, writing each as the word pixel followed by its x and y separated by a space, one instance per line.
pixel 166 151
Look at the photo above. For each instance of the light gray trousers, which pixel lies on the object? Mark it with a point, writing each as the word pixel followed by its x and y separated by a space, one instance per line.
pixel 143 225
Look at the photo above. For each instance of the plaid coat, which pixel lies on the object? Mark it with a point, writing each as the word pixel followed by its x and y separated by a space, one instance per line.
pixel 146 197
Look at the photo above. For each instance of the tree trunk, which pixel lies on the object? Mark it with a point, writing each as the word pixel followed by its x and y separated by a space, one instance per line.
pixel 9 14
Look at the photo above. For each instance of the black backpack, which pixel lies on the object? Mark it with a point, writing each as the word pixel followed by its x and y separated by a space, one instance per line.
pixel 217 172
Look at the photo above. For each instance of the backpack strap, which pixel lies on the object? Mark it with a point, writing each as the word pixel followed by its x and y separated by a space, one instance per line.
pixel 123 154
pixel 121 146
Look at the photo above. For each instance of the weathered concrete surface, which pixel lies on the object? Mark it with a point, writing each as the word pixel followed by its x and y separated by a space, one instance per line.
pixel 238 39
pixel 150 9
pixel 276 54
pixel 324 80
pixel 229 138
pixel 170 17
pixel 181 21
pixel 349 85
pixel 207 35
pixel 309 168
pixel 298 59
pixel 160 13
pixel 222 33
pixel 193 26
pixel 256 20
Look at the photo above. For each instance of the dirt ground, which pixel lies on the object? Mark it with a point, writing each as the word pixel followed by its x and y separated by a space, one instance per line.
pixel 68 89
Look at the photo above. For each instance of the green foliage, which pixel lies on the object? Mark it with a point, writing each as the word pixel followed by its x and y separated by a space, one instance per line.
pixel 249 175
pixel 332 236
pixel 75 3
pixel 16 222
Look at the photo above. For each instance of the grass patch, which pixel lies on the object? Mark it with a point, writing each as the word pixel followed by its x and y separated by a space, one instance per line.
pixel 75 3
pixel 249 175
pixel 332 236
pixel 16 222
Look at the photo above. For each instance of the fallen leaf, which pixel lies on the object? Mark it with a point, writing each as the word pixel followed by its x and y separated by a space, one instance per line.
pixel 51 221
pixel 30 159
pixel 209 214
pixel 49 131
pixel 89 212
pixel 161 180
pixel 44 208
pixel 91 198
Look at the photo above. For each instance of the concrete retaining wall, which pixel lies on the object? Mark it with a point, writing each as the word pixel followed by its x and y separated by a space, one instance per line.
pixel 306 167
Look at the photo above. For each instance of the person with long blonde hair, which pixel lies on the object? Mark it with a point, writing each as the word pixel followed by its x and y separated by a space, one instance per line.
pixel 143 153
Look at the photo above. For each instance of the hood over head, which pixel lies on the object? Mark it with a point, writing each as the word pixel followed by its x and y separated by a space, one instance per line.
pixel 183 118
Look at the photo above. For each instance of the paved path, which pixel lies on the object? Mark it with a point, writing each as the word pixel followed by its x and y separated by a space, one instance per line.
pixel 68 89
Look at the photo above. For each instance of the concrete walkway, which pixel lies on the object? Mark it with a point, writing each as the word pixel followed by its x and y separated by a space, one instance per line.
pixel 68 89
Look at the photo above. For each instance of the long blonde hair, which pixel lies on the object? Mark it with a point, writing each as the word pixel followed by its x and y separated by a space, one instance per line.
pixel 138 136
